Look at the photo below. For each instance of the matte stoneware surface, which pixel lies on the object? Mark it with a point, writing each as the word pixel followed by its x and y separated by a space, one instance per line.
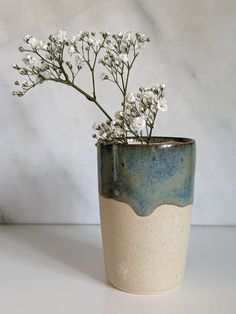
pixel 144 255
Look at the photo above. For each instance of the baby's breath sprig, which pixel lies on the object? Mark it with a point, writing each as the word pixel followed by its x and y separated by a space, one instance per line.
pixel 62 57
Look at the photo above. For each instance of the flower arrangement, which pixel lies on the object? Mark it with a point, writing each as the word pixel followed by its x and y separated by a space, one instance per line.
pixel 62 58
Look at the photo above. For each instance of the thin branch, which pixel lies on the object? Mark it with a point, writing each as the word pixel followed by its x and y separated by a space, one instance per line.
pixel 151 128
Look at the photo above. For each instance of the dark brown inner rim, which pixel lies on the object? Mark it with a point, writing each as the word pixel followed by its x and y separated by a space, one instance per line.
pixel 160 141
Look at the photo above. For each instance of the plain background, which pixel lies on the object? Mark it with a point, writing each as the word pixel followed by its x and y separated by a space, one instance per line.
pixel 48 158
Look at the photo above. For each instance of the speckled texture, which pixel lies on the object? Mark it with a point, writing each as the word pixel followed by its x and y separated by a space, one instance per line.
pixel 147 176
pixel 144 255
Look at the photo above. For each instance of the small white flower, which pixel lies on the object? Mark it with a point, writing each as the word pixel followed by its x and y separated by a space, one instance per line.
pixel 104 135
pixel 105 33
pixel 91 41
pixel 144 116
pixel 148 97
pixel 80 35
pixel 72 39
pixel 138 47
pixel 34 62
pixel 123 47
pixel 96 44
pixel 61 36
pixel 79 60
pixel 103 76
pixel 42 44
pixel 127 37
pixel 118 114
pixel 162 105
pixel 27 37
pixel 148 94
pixel 46 74
pixel 31 61
pixel 128 111
pixel 141 37
pixel 119 34
pixel 128 105
pixel 153 108
pixel 33 42
pixel 95 125
pixel 71 49
pixel 138 124
pixel 53 48
pixel 123 57
pixel 119 132
pixel 109 45
pixel 130 98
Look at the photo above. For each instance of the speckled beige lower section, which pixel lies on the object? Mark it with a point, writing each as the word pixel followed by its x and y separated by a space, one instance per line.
pixel 144 255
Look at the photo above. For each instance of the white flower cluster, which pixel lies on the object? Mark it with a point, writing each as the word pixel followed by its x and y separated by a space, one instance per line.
pixel 122 50
pixel 46 60
pixel 33 42
pixel 138 115
pixel 109 131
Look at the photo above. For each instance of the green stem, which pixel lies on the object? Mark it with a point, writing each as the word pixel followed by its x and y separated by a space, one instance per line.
pixel 90 98
pixel 94 86
pixel 151 129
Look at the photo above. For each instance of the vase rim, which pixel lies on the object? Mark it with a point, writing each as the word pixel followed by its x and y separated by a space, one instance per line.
pixel 160 141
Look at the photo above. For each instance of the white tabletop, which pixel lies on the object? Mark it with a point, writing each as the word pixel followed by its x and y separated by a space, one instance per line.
pixel 59 270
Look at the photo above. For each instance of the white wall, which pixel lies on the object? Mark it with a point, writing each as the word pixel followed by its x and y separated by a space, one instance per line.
pixel 48 159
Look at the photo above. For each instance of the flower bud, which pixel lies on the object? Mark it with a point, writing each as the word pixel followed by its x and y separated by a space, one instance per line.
pixel 104 76
pixel 17 93
pixel 130 98
pixel 138 124
pixel 96 126
pixel 23 71
pixel 26 38
pixel 15 66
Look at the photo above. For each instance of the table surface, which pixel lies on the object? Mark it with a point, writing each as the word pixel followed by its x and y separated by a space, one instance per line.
pixel 49 269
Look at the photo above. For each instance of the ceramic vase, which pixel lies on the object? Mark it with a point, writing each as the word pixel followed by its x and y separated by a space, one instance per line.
pixel 146 196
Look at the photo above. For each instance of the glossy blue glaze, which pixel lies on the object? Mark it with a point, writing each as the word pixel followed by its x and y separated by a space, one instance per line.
pixel 147 176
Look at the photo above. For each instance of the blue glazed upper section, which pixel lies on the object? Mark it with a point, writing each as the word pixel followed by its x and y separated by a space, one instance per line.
pixel 147 176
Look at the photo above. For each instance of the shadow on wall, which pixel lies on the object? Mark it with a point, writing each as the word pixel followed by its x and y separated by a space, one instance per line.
pixel 43 177
pixel 4 219
pixel 45 194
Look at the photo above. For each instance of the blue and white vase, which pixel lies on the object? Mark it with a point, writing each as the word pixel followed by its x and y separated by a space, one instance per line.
pixel 146 197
